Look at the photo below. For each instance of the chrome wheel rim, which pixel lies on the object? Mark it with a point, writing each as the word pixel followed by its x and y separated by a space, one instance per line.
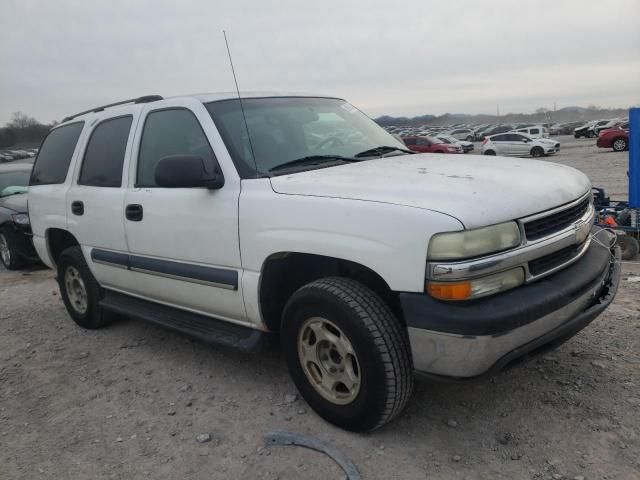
pixel 5 253
pixel 618 145
pixel 329 361
pixel 76 290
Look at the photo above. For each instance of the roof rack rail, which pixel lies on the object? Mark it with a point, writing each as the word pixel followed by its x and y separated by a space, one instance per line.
pixel 143 99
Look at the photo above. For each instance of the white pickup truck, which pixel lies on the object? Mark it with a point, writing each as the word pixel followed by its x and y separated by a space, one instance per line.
pixel 298 218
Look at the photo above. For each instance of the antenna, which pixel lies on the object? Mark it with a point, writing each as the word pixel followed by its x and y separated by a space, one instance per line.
pixel 244 117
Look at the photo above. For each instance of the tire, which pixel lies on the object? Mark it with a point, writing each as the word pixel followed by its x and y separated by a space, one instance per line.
pixel 439 151
pixel 619 144
pixel 576 135
pixel 537 152
pixel 380 345
pixel 628 247
pixel 490 152
pixel 469 138
pixel 9 255
pixel 74 274
pixel 591 134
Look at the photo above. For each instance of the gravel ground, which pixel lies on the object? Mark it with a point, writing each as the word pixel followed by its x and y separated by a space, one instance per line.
pixel 130 401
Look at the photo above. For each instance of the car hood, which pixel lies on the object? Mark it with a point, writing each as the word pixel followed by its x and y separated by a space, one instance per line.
pixel 17 203
pixel 477 190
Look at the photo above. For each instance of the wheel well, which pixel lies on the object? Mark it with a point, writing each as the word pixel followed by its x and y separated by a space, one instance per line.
pixel 284 273
pixel 58 240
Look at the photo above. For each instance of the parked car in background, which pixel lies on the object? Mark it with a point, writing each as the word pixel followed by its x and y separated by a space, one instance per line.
pixel 495 130
pixel 430 145
pixel 519 145
pixel 536 131
pixel 564 128
pixel 585 130
pixel 462 134
pixel 599 127
pixel 465 145
pixel 16 247
pixel 615 138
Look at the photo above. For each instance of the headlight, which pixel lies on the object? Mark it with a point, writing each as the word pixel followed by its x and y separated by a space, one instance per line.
pixel 473 243
pixel 20 219
pixel 476 288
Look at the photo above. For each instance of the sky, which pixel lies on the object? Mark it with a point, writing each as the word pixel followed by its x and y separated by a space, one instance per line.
pixel 414 57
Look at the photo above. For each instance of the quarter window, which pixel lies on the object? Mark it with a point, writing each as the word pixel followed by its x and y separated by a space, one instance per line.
pixel 170 132
pixel 534 131
pixel 55 154
pixel 104 155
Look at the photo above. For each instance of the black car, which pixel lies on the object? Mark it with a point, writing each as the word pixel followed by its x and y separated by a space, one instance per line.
pixel 16 246
pixel 496 130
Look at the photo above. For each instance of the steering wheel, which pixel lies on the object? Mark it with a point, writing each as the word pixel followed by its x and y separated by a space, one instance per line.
pixel 330 142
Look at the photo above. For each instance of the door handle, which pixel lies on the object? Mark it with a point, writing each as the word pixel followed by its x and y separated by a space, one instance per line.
pixel 77 207
pixel 133 212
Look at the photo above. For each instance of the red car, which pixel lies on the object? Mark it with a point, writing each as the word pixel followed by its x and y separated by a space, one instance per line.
pixel 615 138
pixel 430 145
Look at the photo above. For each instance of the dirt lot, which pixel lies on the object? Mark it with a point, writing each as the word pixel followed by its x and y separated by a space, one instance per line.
pixel 129 401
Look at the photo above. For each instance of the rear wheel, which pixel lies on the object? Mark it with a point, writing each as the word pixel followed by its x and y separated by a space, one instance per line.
pixel 9 251
pixel 628 247
pixel 619 144
pixel 347 353
pixel 489 152
pixel 80 290
pixel 591 134
pixel 537 152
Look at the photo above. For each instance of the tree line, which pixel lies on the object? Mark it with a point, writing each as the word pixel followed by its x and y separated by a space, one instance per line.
pixel 23 129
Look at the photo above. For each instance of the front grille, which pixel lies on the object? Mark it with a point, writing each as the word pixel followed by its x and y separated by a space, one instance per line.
pixel 546 263
pixel 555 222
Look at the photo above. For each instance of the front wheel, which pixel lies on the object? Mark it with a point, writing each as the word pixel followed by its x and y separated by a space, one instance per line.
pixel 469 138
pixel 537 152
pixel 490 152
pixel 9 251
pixel 347 353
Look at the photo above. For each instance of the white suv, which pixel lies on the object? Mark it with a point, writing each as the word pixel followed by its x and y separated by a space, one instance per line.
pixel 299 218
pixel 518 145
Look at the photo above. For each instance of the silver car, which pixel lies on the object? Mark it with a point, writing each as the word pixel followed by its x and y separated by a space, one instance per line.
pixel 519 145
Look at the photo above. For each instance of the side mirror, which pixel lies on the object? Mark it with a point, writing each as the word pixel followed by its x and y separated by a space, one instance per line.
pixel 187 171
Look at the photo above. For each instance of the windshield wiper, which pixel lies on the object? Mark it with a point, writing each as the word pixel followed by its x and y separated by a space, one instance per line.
pixel 312 160
pixel 381 151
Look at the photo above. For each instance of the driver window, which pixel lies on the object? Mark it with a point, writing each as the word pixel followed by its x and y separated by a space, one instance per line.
pixel 167 132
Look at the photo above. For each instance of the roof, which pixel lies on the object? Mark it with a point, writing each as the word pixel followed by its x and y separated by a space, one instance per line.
pixel 203 97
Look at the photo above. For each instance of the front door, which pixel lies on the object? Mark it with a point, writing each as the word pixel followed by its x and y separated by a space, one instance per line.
pixel 183 242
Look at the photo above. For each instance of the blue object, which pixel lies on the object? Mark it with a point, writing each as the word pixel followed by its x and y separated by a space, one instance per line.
pixel 634 158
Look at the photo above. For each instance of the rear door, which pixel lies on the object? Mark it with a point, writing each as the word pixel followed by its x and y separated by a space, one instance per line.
pixel 49 181
pixel 500 144
pixel 96 198
pixel 183 243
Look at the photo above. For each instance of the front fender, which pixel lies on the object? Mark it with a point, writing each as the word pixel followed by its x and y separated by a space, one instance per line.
pixel 389 239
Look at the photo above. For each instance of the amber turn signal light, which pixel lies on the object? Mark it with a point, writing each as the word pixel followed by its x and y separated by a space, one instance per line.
pixel 449 291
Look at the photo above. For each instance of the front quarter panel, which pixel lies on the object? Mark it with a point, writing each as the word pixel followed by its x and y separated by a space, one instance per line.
pixel 390 239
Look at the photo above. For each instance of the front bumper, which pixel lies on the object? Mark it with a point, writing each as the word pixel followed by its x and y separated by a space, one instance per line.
pixel 469 340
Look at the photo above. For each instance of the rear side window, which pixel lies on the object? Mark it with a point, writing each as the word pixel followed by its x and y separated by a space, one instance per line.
pixel 104 156
pixel 409 141
pixel 55 155
pixel 170 132
pixel 533 131
pixel 499 138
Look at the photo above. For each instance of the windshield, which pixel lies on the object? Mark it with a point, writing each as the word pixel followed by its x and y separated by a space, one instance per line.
pixel 13 182
pixel 284 129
